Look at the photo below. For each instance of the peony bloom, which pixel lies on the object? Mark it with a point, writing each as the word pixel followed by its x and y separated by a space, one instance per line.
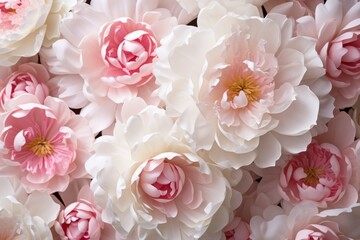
pixel 244 95
pixel 81 219
pixel 336 27
pixel 45 145
pixel 112 57
pixel 194 6
pixel 26 24
pixel 20 214
pixel 292 8
pixel 325 172
pixel 152 185
pixel 302 222
pixel 237 229
pixel 28 78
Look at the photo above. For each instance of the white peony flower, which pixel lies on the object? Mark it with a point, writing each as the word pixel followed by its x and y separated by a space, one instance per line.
pixel 242 86
pixel 153 186
pixel 25 25
pixel 194 6
pixel 24 216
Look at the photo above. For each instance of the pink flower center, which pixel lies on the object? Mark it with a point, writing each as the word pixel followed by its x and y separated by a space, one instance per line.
pixel 230 234
pixel 8 14
pixel 162 181
pixel 128 48
pixel 20 83
pixel 79 223
pixel 316 163
pixel 316 174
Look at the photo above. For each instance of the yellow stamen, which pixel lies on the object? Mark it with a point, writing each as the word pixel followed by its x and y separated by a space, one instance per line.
pixel 40 147
pixel 247 85
pixel 312 178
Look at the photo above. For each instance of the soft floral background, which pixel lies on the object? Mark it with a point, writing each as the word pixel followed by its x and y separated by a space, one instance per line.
pixel 179 119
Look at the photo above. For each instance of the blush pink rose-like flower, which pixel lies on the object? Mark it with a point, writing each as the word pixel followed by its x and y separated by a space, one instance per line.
pixel 79 220
pixel 325 172
pixel 45 145
pixel 28 78
pixel 80 217
pixel 237 229
pixel 112 57
pixel 292 8
pixel 302 222
pixel 336 27
pixel 150 182
pixel 25 25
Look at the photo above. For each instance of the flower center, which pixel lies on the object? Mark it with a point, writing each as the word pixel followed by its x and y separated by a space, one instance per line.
pixel 10 6
pixel 246 85
pixel 312 176
pixel 162 181
pixel 40 147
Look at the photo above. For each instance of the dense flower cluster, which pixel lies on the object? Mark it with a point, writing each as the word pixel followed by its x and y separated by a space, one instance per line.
pixel 179 119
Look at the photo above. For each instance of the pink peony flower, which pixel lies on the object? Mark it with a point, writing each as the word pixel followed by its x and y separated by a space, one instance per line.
pixel 128 48
pixel 325 172
pixel 302 222
pixel 45 145
pixel 150 182
pixel 237 229
pixel 292 8
pixel 112 57
pixel 28 78
pixel 247 95
pixel 81 218
pixel 336 27
pixel 25 25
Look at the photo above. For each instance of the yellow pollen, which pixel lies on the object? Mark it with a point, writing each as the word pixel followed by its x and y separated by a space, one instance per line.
pixel 40 147
pixel 247 85
pixel 312 176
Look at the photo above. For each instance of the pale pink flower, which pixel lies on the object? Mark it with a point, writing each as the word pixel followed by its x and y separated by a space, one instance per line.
pixel 45 145
pixel 237 229
pixel 325 172
pixel 28 78
pixel 302 222
pixel 79 220
pixel 244 95
pixel 26 24
pixel 81 216
pixel 194 6
pixel 336 27
pixel 150 182
pixel 112 57
pixel 292 8
pixel 25 216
